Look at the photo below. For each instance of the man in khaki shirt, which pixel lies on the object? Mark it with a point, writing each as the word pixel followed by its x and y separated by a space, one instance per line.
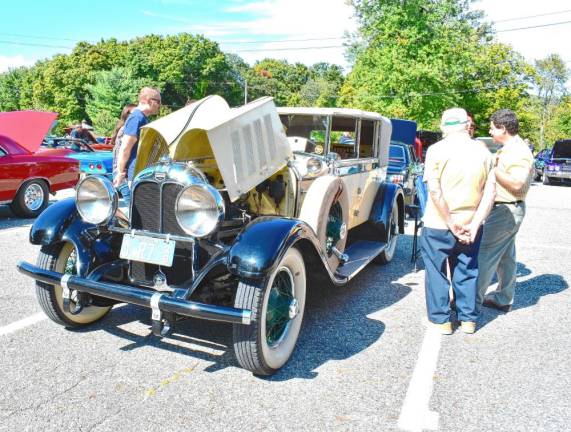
pixel 513 172
pixel 457 170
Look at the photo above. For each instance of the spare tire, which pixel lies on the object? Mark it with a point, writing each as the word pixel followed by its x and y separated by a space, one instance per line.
pixel 326 210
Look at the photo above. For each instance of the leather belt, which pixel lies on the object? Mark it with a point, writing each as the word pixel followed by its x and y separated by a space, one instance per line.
pixel 497 203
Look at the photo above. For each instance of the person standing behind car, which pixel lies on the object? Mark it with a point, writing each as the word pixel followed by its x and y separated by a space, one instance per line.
pixel 118 133
pixel 457 170
pixel 149 104
pixel 513 172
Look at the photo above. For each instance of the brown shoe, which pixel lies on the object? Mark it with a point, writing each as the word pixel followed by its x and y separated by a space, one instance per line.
pixel 444 328
pixel 468 327
pixel 488 302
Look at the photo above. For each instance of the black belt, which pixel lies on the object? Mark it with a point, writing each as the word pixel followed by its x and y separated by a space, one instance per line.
pixel 497 203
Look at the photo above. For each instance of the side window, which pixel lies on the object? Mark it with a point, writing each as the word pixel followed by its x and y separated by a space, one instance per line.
pixel 343 137
pixel 2 152
pixel 367 139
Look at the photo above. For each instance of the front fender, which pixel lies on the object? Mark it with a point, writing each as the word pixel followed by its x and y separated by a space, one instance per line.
pixel 61 222
pixel 260 247
pixel 387 195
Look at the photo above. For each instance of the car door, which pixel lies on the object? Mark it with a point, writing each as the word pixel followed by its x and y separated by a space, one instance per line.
pixel 15 169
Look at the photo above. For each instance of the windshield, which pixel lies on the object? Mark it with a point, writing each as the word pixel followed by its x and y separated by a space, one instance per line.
pixel 562 150
pixel 312 128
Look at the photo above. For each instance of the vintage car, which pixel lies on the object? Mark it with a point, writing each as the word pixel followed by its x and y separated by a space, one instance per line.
pixel 28 176
pixel 539 162
pixel 557 166
pixel 91 159
pixel 234 216
pixel 403 169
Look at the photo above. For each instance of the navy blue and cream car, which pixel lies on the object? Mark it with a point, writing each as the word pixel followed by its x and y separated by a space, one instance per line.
pixel 235 213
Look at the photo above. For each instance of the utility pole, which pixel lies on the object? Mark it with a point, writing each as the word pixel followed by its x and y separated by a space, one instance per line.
pixel 245 92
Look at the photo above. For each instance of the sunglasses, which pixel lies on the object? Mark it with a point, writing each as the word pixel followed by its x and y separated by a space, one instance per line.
pixel 156 100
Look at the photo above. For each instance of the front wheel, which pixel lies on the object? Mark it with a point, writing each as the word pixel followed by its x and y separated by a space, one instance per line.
pixel 62 258
pixel 277 304
pixel 390 237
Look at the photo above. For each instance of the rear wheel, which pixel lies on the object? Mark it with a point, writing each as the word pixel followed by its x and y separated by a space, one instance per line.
pixel 62 258
pixel 32 199
pixel 390 237
pixel 277 305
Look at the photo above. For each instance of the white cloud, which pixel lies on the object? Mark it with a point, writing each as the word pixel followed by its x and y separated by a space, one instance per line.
pixel 13 62
pixel 280 20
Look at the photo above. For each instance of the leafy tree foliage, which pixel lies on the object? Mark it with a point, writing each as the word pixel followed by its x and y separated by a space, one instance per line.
pixel 113 89
pixel 418 58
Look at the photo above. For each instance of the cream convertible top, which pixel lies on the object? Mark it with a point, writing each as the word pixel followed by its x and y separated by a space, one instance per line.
pixel 248 143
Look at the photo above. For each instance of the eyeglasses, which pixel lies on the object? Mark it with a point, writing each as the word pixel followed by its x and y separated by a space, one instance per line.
pixel 156 100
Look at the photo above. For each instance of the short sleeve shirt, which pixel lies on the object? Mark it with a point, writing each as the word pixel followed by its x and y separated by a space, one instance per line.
pixel 516 159
pixel 133 125
pixel 462 166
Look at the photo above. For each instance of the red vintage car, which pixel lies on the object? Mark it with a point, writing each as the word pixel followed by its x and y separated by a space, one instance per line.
pixel 26 177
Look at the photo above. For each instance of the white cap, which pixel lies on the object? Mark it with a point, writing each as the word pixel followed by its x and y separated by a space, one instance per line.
pixel 454 120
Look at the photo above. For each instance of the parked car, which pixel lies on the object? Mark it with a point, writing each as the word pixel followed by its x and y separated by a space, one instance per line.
pixel 28 177
pixel 231 220
pixel 558 165
pixel 539 162
pixel 403 169
pixel 90 160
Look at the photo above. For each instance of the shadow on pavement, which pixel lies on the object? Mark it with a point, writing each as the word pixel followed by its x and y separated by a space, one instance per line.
pixel 336 324
pixel 528 294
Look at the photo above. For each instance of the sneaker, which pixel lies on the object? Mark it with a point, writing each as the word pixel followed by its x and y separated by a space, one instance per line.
pixel 468 327
pixel 444 328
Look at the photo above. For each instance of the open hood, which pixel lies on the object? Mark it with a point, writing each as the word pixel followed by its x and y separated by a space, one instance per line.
pixel 562 149
pixel 26 128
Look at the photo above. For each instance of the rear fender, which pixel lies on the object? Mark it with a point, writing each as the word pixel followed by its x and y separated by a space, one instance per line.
pixel 387 195
pixel 260 247
pixel 60 222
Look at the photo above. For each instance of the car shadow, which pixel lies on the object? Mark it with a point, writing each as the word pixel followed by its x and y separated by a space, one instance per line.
pixel 528 293
pixel 337 323
pixel 10 220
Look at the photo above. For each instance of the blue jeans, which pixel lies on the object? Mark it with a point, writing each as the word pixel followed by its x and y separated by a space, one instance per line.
pixel 439 246
pixel 497 253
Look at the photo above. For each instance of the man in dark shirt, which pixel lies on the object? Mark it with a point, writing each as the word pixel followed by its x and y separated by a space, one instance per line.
pixel 149 104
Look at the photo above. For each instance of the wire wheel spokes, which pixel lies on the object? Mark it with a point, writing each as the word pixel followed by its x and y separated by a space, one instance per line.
pixel 280 299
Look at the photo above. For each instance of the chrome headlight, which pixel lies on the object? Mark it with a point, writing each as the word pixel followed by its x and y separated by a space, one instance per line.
pixel 199 208
pixel 314 166
pixel 96 199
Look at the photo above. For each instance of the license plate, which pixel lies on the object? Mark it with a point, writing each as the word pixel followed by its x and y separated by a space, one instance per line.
pixel 147 249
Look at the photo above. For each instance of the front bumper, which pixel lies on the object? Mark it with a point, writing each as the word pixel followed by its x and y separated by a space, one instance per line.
pixel 157 300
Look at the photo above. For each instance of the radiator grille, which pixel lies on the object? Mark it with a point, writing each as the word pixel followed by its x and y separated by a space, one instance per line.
pixel 155 211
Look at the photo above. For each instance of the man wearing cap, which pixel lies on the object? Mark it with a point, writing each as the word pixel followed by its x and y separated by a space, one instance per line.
pixel 513 172
pixel 461 188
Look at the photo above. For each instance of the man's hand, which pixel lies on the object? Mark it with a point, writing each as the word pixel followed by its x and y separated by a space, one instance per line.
pixel 460 232
pixel 119 178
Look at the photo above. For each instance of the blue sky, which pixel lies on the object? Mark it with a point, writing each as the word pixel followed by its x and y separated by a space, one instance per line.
pixel 33 30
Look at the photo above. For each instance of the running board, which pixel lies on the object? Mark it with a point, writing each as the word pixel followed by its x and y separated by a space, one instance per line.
pixel 360 254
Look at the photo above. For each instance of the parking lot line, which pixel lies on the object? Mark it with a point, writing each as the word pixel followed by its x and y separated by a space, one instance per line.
pixel 18 325
pixel 415 415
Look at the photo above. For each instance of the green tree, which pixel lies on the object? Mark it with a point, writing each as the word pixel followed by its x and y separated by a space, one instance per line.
pixel 552 74
pixel 112 90
pixel 416 58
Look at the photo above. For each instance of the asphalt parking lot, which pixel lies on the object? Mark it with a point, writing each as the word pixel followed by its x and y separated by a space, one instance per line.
pixel 364 361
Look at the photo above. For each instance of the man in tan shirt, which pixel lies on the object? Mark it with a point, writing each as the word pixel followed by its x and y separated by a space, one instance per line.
pixel 457 171
pixel 513 172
